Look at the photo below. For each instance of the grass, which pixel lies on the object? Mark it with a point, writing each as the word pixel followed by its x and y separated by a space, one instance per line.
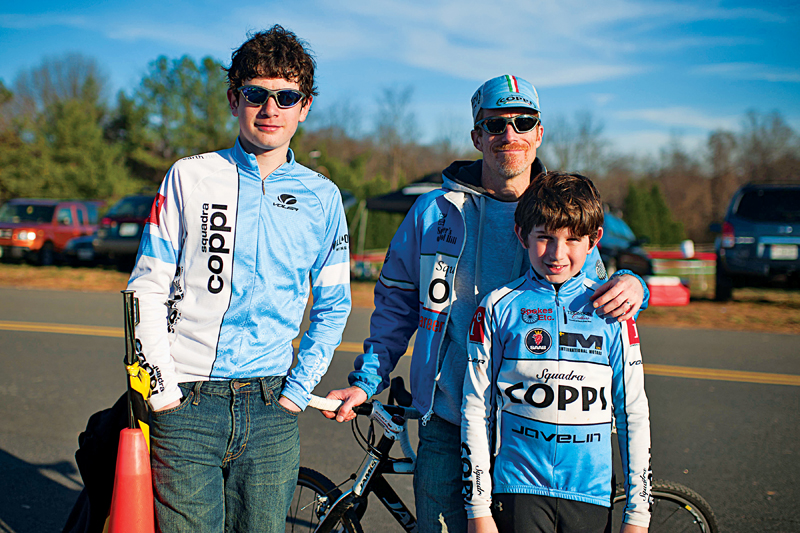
pixel 768 310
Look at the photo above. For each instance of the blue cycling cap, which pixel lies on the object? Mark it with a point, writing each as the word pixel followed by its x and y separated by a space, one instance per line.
pixel 505 91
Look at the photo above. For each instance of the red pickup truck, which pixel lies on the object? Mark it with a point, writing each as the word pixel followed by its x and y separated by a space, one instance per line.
pixel 38 230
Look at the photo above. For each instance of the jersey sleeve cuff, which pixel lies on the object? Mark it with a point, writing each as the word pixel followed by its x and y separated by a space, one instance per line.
pixel 479 511
pixel 161 400
pixel 370 386
pixel 299 399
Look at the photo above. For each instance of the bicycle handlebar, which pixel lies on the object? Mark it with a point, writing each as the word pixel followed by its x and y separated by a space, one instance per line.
pixel 367 409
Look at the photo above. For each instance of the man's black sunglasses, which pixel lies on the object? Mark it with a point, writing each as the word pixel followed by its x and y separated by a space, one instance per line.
pixel 257 95
pixel 497 125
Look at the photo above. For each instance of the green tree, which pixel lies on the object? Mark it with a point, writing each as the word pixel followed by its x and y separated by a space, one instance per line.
pixel 186 107
pixel 56 147
pixel 648 215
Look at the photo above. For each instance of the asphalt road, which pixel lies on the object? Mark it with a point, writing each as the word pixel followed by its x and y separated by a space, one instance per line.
pixel 729 430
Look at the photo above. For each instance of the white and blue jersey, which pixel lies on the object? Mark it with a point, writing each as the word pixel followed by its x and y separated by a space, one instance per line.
pixel 224 269
pixel 545 376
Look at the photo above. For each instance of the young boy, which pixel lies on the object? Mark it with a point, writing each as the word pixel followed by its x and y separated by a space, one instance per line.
pixel 543 375
pixel 234 242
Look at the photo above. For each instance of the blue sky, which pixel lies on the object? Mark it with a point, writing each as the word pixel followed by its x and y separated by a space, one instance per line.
pixel 650 71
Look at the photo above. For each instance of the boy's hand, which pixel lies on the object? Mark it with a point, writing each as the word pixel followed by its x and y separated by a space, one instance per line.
pixel 620 297
pixel 170 405
pixel 288 404
pixel 629 528
pixel 484 524
pixel 351 397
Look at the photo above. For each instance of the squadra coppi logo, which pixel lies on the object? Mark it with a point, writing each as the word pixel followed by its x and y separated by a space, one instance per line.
pixel 213 229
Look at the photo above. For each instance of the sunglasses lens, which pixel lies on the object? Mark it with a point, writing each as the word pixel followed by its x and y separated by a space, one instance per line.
pixel 525 124
pixel 495 126
pixel 254 95
pixel 288 98
pixel 259 95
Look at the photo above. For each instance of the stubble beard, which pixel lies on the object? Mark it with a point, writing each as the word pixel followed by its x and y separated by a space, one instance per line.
pixel 510 167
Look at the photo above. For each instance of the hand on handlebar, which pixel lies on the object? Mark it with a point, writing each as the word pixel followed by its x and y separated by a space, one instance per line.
pixel 351 397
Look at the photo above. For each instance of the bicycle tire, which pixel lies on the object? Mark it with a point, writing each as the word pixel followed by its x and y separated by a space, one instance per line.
pixel 676 509
pixel 314 494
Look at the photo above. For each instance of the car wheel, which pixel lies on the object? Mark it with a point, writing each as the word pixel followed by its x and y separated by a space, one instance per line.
pixel 46 255
pixel 723 290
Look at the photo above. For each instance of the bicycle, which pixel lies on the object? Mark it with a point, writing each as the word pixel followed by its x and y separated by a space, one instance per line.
pixel 320 506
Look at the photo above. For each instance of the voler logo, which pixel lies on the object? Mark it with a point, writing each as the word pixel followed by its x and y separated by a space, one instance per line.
pixel 285 201
pixel 538 341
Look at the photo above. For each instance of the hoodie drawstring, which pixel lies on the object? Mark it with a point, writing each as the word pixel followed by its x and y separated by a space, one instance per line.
pixel 479 250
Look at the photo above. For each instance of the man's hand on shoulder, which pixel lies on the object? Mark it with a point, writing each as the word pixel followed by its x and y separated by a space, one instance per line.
pixel 351 396
pixel 620 297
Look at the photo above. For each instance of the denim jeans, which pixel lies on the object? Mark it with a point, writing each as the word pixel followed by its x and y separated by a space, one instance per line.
pixel 437 478
pixel 225 459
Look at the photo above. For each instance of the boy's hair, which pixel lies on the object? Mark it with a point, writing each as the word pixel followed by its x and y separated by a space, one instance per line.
pixel 558 200
pixel 275 53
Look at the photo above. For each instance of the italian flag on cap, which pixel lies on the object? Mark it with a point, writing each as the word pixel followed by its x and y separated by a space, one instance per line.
pixel 512 84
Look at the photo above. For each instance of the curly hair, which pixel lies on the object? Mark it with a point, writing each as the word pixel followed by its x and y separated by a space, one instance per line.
pixel 558 200
pixel 275 53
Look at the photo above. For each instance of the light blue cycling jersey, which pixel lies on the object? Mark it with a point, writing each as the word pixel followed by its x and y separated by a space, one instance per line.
pixel 545 376
pixel 224 269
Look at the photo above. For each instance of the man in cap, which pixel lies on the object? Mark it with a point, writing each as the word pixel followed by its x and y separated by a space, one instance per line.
pixel 455 246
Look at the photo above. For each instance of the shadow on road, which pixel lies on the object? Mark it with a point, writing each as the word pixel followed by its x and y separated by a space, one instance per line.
pixel 36 497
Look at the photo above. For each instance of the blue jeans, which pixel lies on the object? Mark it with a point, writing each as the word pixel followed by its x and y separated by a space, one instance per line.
pixel 225 459
pixel 437 478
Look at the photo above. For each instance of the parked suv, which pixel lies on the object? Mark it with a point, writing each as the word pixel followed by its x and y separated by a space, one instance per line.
pixel 38 230
pixel 121 229
pixel 760 238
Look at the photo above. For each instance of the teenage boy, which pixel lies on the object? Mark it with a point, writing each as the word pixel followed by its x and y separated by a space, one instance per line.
pixel 543 377
pixel 233 243
pixel 452 249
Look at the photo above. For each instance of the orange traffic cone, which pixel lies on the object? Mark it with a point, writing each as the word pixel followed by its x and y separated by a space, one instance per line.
pixel 132 500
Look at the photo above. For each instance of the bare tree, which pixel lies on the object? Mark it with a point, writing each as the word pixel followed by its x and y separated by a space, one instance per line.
pixel 769 148
pixel 576 145
pixel 342 117
pixel 58 79
pixel 725 175
pixel 395 127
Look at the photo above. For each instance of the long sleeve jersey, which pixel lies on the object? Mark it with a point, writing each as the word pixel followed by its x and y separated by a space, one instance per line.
pixel 224 269
pixel 544 373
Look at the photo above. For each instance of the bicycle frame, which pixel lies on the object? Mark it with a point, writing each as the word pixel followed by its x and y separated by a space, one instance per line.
pixel 369 478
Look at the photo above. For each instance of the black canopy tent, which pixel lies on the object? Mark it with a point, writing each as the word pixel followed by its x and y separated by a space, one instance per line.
pixel 398 201
pixel 401 200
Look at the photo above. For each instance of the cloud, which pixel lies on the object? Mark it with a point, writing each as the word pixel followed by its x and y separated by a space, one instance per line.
pixel 44 20
pixel 602 99
pixel 685 117
pixel 651 142
pixel 750 71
